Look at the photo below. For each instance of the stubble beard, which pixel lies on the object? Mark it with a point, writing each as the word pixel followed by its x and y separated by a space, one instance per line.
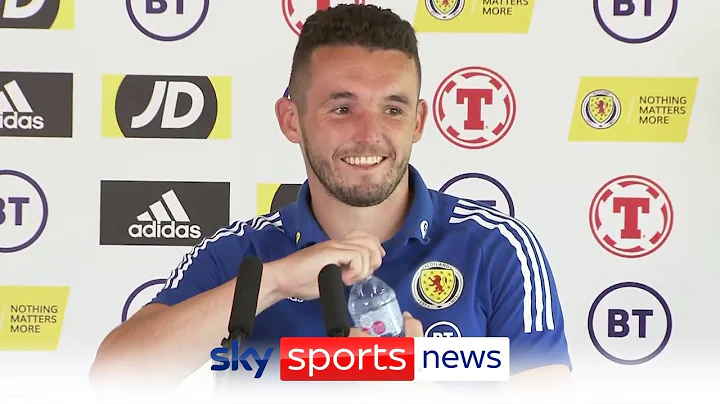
pixel 361 195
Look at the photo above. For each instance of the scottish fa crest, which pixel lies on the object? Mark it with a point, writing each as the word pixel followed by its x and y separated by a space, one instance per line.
pixel 444 9
pixel 437 285
pixel 601 109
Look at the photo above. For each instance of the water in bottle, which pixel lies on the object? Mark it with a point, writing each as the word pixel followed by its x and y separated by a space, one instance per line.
pixel 374 308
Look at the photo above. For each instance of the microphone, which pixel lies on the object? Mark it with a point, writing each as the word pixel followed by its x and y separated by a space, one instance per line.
pixel 332 299
pixel 245 301
pixel 242 318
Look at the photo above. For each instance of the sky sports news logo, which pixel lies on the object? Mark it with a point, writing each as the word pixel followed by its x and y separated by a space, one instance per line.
pixel 162 213
pixel 375 359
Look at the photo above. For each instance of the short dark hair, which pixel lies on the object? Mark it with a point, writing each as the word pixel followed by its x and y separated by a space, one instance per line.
pixel 351 24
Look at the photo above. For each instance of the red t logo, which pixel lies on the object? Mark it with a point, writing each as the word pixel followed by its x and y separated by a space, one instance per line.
pixel 474 98
pixel 631 208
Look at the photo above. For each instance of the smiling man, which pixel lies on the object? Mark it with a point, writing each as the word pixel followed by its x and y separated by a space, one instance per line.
pixel 459 269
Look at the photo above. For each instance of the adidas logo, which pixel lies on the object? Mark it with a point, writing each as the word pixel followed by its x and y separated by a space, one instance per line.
pixel 165 218
pixel 15 110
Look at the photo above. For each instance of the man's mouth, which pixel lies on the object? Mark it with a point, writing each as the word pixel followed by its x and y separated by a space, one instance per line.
pixel 363 160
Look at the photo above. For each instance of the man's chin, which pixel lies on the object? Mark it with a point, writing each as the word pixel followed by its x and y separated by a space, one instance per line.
pixel 361 195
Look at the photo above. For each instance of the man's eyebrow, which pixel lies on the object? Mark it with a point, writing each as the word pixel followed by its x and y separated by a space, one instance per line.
pixel 340 95
pixel 345 95
pixel 401 98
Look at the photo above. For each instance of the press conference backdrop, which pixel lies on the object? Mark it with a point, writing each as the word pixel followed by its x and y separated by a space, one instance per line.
pixel 130 130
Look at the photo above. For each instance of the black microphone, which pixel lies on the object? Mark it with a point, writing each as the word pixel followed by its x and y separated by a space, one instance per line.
pixel 241 322
pixel 245 301
pixel 332 298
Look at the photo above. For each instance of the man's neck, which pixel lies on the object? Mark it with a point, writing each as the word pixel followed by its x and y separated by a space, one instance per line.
pixel 382 221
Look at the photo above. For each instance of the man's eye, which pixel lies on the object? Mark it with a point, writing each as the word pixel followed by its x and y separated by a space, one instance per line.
pixel 394 111
pixel 341 110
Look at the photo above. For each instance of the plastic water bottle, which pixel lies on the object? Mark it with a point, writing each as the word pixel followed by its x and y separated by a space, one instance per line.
pixel 374 308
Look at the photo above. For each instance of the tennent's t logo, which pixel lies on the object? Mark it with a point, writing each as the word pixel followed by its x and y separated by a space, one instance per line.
pixel 474 107
pixel 631 216
pixel 296 11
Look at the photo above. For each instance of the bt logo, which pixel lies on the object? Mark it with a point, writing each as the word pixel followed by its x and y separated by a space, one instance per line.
pixel 23 211
pixel 443 329
pixel 167 20
pixel 630 323
pixel 635 21
pixel 142 295
pixel 487 190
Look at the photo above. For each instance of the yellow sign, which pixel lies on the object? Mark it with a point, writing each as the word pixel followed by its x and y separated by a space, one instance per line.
pixel 166 107
pixel 633 109
pixel 271 197
pixel 474 16
pixel 65 17
pixel 31 317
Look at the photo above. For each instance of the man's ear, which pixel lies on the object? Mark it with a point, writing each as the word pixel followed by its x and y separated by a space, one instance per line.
pixel 420 118
pixel 288 119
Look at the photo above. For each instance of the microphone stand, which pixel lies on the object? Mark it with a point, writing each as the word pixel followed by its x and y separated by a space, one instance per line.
pixel 241 321
pixel 224 379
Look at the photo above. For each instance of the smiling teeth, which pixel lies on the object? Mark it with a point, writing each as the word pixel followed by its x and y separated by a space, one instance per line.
pixel 363 161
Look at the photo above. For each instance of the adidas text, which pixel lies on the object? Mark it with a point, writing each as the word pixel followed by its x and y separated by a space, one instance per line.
pixel 15 120
pixel 167 230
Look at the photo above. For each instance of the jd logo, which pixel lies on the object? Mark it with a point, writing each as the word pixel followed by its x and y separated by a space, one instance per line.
pixel 169 92
pixel 271 197
pixel 180 107
pixel 36 14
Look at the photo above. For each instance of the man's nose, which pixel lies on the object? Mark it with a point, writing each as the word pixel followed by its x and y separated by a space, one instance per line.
pixel 366 128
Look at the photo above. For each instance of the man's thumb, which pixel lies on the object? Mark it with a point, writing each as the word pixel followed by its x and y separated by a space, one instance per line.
pixel 413 327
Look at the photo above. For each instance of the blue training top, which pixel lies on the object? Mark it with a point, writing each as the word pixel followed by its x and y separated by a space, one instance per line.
pixel 495 278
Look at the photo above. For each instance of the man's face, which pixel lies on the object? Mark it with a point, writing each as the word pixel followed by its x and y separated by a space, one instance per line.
pixel 360 121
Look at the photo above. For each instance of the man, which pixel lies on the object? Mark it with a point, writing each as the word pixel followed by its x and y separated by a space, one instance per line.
pixel 355 112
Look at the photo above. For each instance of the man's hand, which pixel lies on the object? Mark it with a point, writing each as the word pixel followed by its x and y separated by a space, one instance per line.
pixel 413 328
pixel 358 255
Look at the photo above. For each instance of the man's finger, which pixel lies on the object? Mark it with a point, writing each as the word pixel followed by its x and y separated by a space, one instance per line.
pixel 356 332
pixel 413 326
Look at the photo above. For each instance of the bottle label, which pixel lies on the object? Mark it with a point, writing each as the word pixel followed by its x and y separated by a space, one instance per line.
pixel 386 320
